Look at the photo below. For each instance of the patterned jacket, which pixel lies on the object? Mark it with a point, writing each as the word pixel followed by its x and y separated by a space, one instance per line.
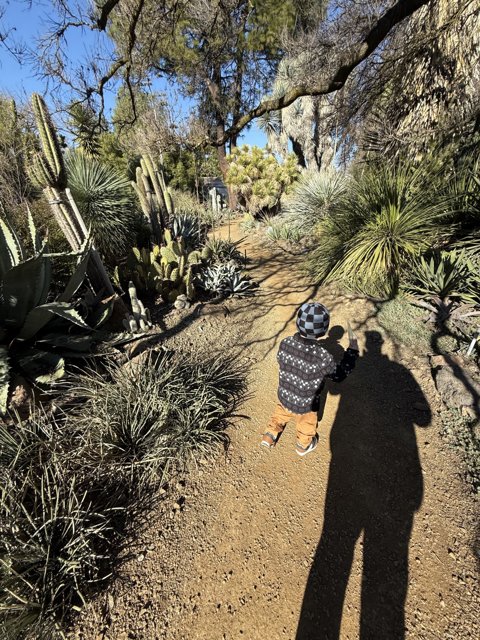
pixel 304 365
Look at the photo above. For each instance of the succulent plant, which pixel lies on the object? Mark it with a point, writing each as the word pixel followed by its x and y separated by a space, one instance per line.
pixel 225 278
pixel 139 320
pixel 48 172
pixel 26 346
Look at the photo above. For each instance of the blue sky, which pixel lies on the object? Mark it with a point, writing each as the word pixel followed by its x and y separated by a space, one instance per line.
pixel 19 80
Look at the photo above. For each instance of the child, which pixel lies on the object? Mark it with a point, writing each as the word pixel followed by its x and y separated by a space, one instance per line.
pixel 304 365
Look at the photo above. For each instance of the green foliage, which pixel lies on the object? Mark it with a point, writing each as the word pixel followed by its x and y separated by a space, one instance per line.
pixel 26 313
pixel 52 540
pixel 70 483
pixel 258 179
pixel 84 123
pixel 226 278
pixel 148 420
pixel 221 250
pixel 314 196
pixel 47 169
pixel 388 217
pixel 189 228
pixel 106 202
pixel 445 274
pixel 155 197
pixel 166 269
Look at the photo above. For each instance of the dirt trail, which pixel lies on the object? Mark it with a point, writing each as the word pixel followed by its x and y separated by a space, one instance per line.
pixel 382 493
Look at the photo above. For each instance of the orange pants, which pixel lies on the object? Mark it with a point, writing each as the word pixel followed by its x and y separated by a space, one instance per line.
pixel 306 423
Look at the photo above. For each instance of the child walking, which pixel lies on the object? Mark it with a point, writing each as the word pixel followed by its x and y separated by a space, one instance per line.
pixel 304 365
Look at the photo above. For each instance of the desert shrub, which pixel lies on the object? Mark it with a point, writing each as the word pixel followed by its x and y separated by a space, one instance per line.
pixel 70 484
pixel 314 196
pixel 258 179
pixel 389 216
pixel 283 229
pixel 52 539
pixel 106 201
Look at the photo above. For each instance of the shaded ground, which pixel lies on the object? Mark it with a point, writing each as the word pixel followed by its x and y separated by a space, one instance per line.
pixel 369 537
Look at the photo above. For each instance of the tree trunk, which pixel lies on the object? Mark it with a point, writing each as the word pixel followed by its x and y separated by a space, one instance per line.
pixel 222 161
pixel 298 151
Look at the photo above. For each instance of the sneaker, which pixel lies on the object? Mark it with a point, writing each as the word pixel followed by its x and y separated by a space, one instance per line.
pixel 302 451
pixel 269 440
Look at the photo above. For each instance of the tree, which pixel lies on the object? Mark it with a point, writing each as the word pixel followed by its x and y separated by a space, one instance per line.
pixel 222 53
pixel 175 37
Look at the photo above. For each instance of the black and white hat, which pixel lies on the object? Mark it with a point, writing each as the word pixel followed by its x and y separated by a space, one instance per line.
pixel 313 320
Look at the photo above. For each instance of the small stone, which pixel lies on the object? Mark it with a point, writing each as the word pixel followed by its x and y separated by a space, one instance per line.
pixel 140 557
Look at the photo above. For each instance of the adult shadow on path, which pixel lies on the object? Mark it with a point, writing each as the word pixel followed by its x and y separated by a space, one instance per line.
pixel 374 487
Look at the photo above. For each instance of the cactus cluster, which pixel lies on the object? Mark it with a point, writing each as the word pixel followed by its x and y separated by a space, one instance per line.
pixel 139 320
pixel 154 195
pixel 167 269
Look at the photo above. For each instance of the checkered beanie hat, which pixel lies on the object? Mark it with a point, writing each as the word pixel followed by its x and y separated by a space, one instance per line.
pixel 313 320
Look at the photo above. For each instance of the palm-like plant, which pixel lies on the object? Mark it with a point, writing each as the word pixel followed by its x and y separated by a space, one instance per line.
pixel 388 217
pixel 106 201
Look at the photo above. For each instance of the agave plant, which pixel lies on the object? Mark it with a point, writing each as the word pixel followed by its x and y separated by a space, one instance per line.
pixel 106 202
pixel 31 326
pixel 225 278
pixel 443 282
pixel 187 227
pixel 224 251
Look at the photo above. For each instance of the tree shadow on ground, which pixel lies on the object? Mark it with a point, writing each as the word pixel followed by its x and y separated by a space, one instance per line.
pixel 374 488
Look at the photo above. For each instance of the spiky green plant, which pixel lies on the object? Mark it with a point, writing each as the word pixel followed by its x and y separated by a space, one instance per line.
pixel 52 541
pixel 106 202
pixel 315 195
pixel 147 420
pixel 389 216
pixel 27 347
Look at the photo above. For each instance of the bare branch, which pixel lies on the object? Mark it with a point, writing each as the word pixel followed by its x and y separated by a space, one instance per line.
pixel 349 60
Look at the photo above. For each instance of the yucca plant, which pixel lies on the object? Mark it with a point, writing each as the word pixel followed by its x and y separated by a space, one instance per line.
pixel 315 195
pixel 389 216
pixel 106 202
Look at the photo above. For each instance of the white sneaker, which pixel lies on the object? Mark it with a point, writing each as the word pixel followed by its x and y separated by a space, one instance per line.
pixel 311 447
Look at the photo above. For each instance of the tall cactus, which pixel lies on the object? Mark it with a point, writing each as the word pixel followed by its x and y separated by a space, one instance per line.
pixel 47 172
pixel 154 195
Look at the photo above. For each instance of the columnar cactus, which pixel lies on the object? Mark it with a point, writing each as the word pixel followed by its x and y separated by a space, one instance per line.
pixel 47 172
pixel 154 195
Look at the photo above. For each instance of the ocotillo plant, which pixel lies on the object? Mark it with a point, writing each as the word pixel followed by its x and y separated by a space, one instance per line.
pixel 48 173
pixel 154 195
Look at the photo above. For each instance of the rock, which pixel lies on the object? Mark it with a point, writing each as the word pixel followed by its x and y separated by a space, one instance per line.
pixel 455 385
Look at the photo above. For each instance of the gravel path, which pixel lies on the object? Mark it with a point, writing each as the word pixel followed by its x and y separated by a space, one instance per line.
pixel 370 537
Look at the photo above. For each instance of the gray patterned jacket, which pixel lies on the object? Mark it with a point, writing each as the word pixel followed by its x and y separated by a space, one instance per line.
pixel 304 365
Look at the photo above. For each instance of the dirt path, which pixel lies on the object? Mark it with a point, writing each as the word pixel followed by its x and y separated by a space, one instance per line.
pixel 372 531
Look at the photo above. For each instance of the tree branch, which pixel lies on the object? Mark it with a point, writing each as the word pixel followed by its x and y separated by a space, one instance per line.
pixel 107 9
pixel 349 60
